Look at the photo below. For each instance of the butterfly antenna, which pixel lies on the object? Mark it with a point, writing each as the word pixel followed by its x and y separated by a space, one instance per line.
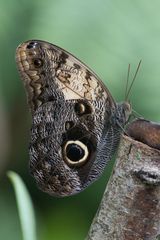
pixel 135 75
pixel 128 73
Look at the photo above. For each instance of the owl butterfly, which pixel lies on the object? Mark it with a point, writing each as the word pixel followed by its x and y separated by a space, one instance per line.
pixel 76 124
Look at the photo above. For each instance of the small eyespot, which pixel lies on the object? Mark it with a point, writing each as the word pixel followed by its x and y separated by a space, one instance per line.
pixel 38 62
pixel 69 125
pixel 82 108
pixel 75 153
pixel 31 45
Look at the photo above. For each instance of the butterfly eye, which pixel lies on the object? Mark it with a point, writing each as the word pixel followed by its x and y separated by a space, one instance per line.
pixel 75 153
pixel 82 108
pixel 38 62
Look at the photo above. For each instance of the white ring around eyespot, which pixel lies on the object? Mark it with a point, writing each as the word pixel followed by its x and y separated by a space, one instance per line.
pixel 82 160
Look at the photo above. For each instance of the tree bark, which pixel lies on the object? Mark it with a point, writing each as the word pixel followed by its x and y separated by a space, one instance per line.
pixel 130 207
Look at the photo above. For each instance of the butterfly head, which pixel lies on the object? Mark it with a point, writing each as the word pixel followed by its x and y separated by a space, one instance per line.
pixel 127 109
pixel 121 114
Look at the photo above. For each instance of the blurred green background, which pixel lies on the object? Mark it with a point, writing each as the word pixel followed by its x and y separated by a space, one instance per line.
pixel 106 35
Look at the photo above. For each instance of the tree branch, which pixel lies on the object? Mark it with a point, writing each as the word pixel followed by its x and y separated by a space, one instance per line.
pixel 130 207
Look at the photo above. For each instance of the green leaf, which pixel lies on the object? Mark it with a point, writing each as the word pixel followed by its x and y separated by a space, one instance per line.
pixel 25 207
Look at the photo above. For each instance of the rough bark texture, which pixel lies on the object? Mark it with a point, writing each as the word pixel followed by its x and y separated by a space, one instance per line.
pixel 130 207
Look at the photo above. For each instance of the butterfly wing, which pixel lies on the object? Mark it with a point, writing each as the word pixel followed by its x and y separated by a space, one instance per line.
pixel 43 66
pixel 72 138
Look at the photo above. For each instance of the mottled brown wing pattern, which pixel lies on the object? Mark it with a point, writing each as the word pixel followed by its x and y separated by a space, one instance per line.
pixel 73 79
pixel 76 125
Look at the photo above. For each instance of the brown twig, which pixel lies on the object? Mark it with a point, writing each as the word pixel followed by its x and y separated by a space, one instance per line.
pixel 130 207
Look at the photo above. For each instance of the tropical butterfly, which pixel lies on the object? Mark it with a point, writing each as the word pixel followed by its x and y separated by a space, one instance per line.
pixel 76 124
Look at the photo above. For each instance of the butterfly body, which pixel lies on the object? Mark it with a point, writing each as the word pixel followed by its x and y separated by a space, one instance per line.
pixel 76 124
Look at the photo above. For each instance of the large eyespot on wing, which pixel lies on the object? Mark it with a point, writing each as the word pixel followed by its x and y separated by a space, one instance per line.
pixel 50 72
pixel 75 153
pixel 62 145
